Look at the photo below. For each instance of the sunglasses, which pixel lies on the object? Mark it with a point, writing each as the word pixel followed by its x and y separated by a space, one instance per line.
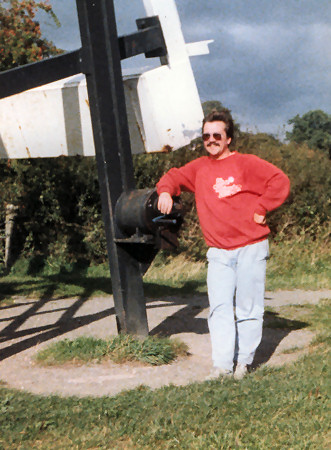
pixel 216 136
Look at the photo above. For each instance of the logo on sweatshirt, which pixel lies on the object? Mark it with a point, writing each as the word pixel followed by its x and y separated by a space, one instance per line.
pixel 226 188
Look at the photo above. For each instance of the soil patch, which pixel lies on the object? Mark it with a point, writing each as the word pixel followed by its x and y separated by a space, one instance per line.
pixel 29 325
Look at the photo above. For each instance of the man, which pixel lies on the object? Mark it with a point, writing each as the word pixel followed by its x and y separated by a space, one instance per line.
pixel 233 193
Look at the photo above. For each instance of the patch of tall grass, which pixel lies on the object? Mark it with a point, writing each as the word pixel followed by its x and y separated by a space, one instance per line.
pixel 300 261
pixel 152 350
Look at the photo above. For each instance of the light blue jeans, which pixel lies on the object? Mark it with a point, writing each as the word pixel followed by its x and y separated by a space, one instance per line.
pixel 235 281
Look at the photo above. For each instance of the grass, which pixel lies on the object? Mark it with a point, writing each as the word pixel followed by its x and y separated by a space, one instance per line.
pixel 54 282
pixel 123 348
pixel 318 315
pixel 176 274
pixel 293 349
pixel 297 263
pixel 300 263
pixel 287 407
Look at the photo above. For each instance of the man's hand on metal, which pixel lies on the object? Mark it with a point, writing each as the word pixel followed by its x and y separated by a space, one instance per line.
pixel 165 203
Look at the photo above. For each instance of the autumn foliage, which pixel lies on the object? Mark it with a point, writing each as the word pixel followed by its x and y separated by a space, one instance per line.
pixel 21 41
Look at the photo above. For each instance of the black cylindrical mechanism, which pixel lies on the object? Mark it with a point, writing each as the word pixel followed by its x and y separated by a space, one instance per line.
pixel 137 210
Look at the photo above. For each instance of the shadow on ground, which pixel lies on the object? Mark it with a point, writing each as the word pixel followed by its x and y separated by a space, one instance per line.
pixel 30 337
pixel 185 319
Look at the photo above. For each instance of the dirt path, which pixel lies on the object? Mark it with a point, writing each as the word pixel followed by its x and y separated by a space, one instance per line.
pixel 29 325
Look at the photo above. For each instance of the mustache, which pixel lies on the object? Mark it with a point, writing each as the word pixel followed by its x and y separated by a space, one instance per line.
pixel 213 143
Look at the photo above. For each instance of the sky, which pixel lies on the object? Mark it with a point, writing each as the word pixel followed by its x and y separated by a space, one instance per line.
pixel 270 60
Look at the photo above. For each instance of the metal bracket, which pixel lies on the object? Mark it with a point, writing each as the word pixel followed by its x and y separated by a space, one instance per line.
pixel 149 40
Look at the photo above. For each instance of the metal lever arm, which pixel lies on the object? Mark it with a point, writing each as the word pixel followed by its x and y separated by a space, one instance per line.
pixel 165 219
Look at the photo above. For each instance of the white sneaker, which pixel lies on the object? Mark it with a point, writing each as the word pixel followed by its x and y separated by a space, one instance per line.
pixel 218 372
pixel 240 372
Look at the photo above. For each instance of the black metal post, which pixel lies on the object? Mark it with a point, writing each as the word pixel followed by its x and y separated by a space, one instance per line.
pixel 99 59
pixel 101 62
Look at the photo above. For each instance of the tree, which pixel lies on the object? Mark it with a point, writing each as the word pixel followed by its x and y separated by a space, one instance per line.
pixel 21 41
pixel 313 129
pixel 211 105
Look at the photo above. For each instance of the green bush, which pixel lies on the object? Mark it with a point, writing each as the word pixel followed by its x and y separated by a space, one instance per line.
pixel 60 207
pixel 308 205
pixel 313 129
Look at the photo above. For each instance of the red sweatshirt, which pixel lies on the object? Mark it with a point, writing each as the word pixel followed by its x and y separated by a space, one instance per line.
pixel 227 193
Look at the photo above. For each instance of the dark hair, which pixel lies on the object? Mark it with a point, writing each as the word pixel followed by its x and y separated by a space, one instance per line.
pixel 221 116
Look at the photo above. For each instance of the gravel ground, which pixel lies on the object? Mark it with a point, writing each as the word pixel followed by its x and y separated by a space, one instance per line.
pixel 29 325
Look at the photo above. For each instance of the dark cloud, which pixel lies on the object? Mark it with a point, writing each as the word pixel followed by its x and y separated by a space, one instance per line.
pixel 269 62
pixel 287 12
pixel 265 70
